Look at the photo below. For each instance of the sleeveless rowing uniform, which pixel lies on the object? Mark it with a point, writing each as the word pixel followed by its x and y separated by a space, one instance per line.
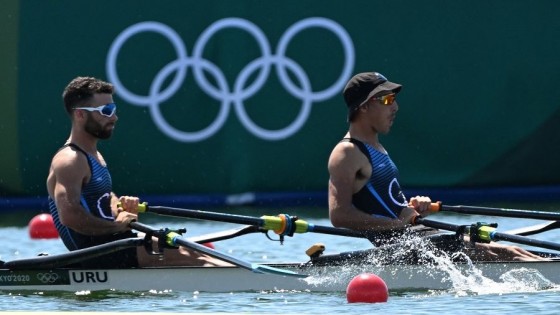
pixel 381 195
pixel 96 199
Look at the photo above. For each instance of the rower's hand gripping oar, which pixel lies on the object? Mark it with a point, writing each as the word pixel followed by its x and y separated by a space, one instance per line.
pixel 485 233
pixel 500 212
pixel 282 224
pixel 174 239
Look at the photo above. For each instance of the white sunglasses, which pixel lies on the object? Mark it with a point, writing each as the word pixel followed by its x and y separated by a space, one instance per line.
pixel 107 110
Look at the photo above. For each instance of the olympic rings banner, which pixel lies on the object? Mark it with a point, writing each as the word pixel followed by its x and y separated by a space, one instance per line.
pixel 234 93
pixel 245 96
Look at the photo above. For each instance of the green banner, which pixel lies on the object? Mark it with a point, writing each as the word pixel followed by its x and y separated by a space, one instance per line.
pixel 10 180
pixel 229 97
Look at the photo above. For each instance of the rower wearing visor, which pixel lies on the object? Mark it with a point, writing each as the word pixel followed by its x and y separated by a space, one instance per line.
pixel 364 189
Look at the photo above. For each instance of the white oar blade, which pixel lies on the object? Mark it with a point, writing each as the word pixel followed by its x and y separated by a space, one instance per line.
pixel 277 271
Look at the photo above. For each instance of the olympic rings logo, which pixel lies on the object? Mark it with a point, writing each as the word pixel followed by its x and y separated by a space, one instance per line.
pixel 105 199
pixel 48 277
pixel 394 186
pixel 240 91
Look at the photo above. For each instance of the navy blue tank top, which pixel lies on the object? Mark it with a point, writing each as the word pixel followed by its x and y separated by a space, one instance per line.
pixel 382 194
pixel 96 199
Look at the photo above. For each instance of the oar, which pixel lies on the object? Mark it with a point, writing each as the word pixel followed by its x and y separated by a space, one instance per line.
pixel 174 239
pixel 504 212
pixel 535 229
pixel 500 212
pixel 281 224
pixel 486 233
pixel 225 235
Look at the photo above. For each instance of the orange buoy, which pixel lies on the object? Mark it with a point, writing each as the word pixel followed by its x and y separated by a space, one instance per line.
pixel 367 288
pixel 42 226
pixel 209 245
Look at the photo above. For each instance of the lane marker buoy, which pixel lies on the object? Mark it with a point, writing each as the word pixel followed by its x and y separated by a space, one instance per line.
pixel 367 288
pixel 42 226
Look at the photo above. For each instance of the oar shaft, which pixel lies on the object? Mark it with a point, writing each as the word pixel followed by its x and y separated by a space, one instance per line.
pixel 334 231
pixel 224 235
pixel 499 212
pixel 206 215
pixel 437 224
pixel 524 240
pixel 535 229
pixel 216 254
pixel 490 233
pixel 266 222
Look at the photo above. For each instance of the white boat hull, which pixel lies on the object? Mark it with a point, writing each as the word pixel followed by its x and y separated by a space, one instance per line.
pixel 233 279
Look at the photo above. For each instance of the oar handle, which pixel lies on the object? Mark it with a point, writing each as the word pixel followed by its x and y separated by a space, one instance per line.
pixel 142 207
pixel 435 206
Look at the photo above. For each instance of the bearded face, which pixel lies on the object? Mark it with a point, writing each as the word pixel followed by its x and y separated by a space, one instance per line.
pixel 98 130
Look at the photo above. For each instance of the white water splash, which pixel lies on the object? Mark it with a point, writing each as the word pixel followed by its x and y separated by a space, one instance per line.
pixel 469 280
pixel 464 279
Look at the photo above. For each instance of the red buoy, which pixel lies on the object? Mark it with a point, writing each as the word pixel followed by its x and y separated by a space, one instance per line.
pixel 42 227
pixel 367 288
pixel 209 245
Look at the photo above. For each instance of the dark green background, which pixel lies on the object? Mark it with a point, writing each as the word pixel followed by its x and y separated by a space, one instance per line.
pixel 479 107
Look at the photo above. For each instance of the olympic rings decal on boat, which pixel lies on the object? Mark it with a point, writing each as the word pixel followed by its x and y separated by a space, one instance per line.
pixel 48 277
pixel 239 92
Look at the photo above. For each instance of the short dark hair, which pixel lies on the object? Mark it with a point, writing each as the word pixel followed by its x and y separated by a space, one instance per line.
pixel 81 89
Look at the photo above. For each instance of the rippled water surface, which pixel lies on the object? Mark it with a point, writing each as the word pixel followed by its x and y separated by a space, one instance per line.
pixel 472 295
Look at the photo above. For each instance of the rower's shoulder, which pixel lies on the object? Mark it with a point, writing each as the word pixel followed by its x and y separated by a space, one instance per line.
pixel 348 147
pixel 68 157
pixel 346 153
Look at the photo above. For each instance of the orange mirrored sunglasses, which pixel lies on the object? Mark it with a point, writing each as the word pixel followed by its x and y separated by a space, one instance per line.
pixel 388 99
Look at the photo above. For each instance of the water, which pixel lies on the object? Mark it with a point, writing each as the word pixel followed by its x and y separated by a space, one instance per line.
pixel 472 294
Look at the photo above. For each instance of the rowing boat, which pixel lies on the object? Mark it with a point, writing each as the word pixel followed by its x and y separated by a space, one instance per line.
pixel 321 273
pixel 330 273
pixel 234 279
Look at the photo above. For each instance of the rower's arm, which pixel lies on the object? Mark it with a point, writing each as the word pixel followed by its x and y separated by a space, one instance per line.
pixel 67 174
pixel 344 165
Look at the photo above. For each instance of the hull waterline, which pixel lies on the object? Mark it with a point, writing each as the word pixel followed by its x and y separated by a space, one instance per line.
pixel 233 279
